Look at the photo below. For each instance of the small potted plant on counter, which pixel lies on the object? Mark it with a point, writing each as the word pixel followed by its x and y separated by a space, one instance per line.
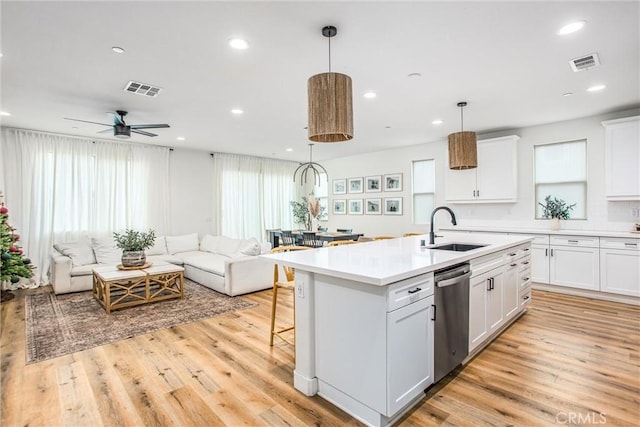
pixel 133 243
pixel 556 209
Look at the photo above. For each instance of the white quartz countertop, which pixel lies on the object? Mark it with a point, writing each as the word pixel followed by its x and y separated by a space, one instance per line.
pixel 561 232
pixel 384 262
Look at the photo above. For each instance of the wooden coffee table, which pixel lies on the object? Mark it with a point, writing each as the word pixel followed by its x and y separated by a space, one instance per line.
pixel 115 288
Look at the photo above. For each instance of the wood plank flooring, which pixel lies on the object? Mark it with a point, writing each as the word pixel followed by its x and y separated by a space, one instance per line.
pixel 568 361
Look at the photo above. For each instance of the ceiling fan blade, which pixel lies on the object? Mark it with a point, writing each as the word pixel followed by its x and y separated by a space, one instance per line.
pixel 141 132
pixel 156 126
pixel 107 130
pixel 86 121
pixel 117 118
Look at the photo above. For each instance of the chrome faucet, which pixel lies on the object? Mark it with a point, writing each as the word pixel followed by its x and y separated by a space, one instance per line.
pixel 432 235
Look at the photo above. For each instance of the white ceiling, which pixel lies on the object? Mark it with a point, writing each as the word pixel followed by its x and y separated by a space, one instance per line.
pixel 504 58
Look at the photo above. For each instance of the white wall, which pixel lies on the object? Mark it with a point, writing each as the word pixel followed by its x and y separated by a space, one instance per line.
pixel 191 192
pixel 601 214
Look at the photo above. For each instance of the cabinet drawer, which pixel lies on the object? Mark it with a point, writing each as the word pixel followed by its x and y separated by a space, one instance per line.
pixel 620 243
pixel 586 242
pixel 525 296
pixel 525 263
pixel 409 290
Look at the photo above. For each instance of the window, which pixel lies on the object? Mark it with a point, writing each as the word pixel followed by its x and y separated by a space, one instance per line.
pixel 561 172
pixel 424 188
pixel 322 193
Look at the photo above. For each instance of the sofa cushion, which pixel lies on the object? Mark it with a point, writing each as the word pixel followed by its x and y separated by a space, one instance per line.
pixel 209 243
pixel 105 251
pixel 80 252
pixel 166 258
pixel 159 247
pixel 209 262
pixel 185 243
pixel 249 247
pixel 84 270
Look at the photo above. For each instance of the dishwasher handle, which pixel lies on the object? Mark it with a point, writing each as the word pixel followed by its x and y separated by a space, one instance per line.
pixel 453 281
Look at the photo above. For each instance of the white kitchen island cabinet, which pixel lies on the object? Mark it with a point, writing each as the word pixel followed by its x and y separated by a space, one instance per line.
pixel 364 320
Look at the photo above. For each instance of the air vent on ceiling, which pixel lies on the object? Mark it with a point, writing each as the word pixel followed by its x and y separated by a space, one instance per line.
pixel 584 62
pixel 142 89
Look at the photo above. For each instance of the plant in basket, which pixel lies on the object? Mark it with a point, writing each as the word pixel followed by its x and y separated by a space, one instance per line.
pixel 133 243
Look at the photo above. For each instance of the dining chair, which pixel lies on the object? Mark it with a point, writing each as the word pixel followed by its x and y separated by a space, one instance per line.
pixel 341 242
pixel 365 239
pixel 344 230
pixel 383 237
pixel 412 234
pixel 310 239
pixel 323 229
pixel 287 238
pixel 287 281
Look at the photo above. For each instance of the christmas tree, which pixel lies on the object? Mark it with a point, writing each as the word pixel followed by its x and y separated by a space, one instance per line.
pixel 13 265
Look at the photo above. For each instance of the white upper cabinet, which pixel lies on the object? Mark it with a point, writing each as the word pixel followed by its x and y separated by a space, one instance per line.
pixel 495 180
pixel 622 158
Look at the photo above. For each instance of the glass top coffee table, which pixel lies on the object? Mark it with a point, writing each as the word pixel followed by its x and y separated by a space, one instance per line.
pixel 115 288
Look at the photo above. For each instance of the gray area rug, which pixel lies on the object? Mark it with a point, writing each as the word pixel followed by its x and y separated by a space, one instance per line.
pixel 63 324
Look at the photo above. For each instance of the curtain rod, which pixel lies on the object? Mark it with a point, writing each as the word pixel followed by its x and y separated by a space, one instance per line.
pixel 90 139
pixel 255 157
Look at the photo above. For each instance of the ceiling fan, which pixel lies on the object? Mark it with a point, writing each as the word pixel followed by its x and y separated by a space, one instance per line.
pixel 122 130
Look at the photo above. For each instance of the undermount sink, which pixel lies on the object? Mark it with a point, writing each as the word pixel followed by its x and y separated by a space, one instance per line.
pixel 457 247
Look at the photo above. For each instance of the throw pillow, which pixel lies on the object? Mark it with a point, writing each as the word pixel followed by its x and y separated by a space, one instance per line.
pixel 210 243
pixel 106 251
pixel 159 247
pixel 185 243
pixel 80 252
pixel 228 246
pixel 250 247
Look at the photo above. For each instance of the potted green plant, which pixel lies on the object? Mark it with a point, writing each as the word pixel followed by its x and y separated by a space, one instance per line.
pixel 133 243
pixel 556 209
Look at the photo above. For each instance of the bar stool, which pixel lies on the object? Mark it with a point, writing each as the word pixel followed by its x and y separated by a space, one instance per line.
pixel 287 282
pixel 383 237
pixel 341 242
pixel 412 234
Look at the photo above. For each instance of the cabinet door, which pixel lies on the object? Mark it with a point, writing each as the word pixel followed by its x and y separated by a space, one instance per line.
pixel 540 263
pixel 575 267
pixel 410 353
pixel 620 271
pixel 511 290
pixel 460 185
pixel 478 329
pixel 622 159
pixel 497 177
pixel 495 314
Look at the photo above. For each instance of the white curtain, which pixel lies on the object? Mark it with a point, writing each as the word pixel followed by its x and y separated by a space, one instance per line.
pixel 60 188
pixel 253 195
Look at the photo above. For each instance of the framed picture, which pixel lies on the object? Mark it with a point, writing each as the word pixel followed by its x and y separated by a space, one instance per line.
pixel 355 185
pixel 393 206
pixel 373 184
pixel 393 182
pixel 339 207
pixel 340 186
pixel 373 206
pixel 355 207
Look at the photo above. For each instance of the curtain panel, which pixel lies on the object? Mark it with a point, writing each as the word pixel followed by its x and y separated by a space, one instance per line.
pixel 252 195
pixel 61 188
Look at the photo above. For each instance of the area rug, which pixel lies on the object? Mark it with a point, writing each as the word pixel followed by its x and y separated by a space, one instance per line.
pixel 63 324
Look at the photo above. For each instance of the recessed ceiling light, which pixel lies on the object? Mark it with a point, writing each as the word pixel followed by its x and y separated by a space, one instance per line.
pixel 596 88
pixel 0 55
pixel 436 122
pixel 237 111
pixel 567 94
pixel 370 95
pixel 117 49
pixel 571 28
pixel 239 44
pixel 4 113
pixel 181 138
pixel 414 75
pixel 289 149
pixel 387 127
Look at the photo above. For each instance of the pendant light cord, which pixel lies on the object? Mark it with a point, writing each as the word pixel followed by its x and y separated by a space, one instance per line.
pixel 329 53
pixel 461 119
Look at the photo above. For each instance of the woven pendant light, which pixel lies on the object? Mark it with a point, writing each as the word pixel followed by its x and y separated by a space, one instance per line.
pixel 463 147
pixel 330 113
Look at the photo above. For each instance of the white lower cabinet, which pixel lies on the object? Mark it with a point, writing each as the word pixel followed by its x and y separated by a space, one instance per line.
pixel 620 266
pixel 574 262
pixel 540 263
pixel 409 372
pixel 485 305
pixel 511 291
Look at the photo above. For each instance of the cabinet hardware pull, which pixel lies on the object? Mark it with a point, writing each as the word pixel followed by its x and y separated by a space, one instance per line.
pixel 546 252
pixel 414 290
pixel 513 265
pixel 489 284
pixel 526 262
pixel 525 278
pixel 434 312
pixel 478 193
pixel 551 252
pixel 572 241
pixel 512 254
pixel 526 297
pixel 525 249
pixel 635 245
pixel 474 193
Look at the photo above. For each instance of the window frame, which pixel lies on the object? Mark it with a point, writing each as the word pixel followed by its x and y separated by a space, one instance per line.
pixel 414 193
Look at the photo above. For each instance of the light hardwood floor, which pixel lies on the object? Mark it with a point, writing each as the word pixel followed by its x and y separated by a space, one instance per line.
pixel 568 361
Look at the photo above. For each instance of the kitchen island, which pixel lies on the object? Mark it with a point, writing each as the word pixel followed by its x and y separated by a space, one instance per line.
pixel 364 315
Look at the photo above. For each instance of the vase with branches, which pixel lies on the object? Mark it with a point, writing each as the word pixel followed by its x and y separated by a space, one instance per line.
pixel 306 211
pixel 555 209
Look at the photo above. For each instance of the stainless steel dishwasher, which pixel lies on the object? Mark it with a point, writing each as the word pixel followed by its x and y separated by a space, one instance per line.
pixel 451 315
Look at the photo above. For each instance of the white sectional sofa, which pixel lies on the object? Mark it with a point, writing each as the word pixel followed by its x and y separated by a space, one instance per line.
pixel 226 265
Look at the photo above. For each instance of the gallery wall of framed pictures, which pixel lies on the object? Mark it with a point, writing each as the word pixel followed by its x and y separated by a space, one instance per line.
pixel 377 204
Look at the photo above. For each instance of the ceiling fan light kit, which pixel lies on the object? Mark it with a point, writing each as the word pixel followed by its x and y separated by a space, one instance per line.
pixel 330 112
pixel 463 147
